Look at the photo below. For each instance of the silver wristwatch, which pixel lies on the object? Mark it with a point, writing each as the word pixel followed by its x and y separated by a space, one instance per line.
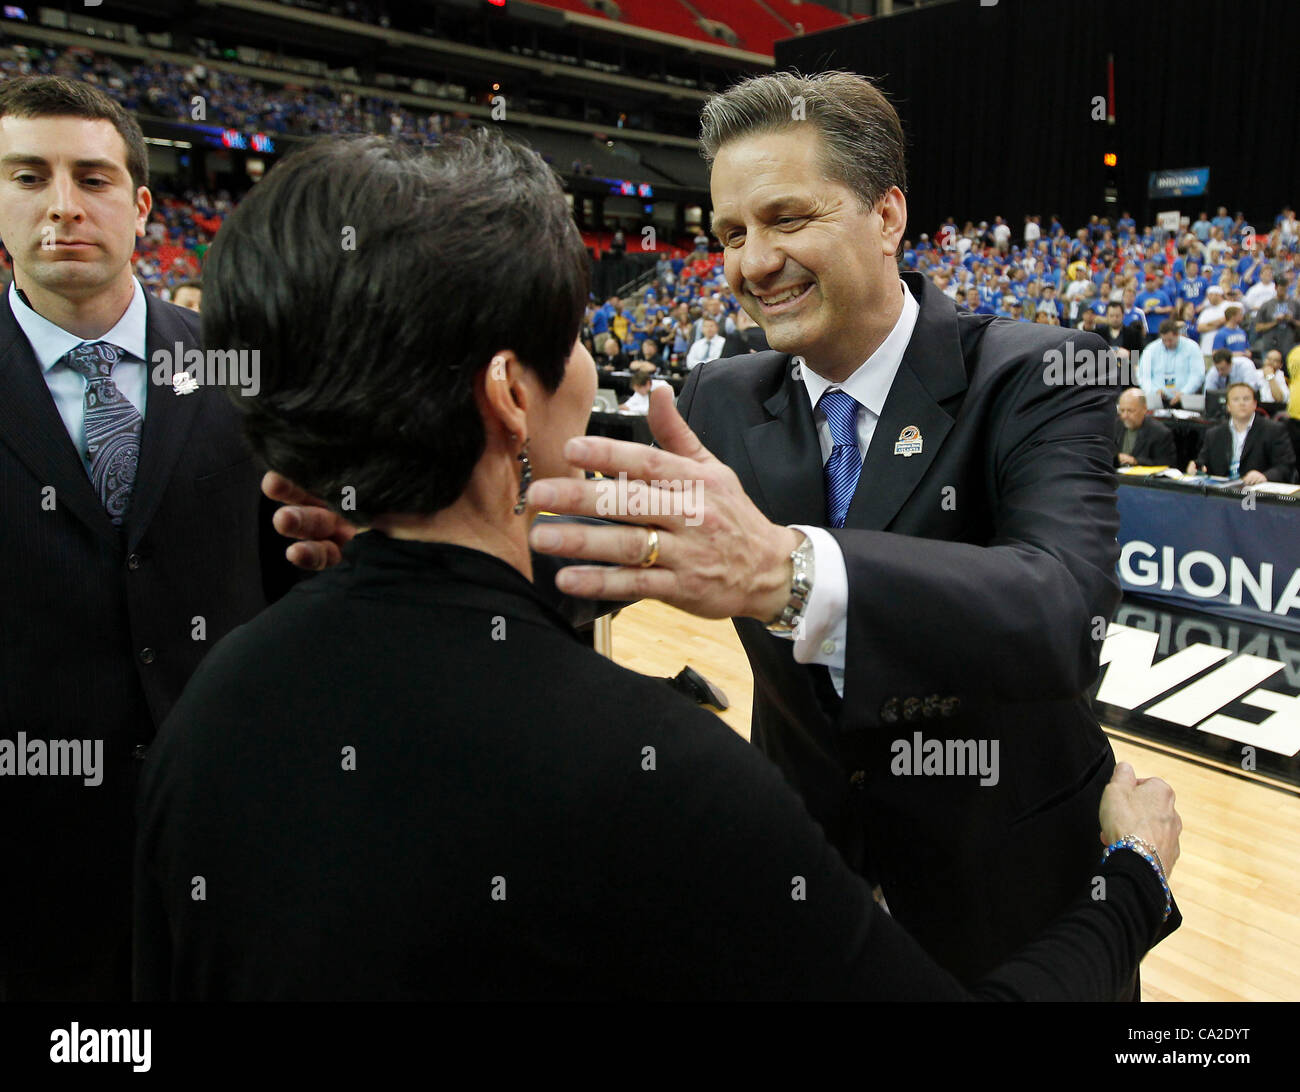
pixel 801 582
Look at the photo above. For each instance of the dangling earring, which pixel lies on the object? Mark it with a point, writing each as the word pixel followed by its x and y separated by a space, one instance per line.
pixel 525 478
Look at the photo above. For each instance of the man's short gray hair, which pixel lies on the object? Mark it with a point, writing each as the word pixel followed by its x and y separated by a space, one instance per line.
pixel 862 138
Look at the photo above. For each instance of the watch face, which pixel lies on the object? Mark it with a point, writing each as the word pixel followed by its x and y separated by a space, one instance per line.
pixel 806 553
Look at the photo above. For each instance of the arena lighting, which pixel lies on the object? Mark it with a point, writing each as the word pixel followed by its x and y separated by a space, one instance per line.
pixel 621 187
pixel 233 138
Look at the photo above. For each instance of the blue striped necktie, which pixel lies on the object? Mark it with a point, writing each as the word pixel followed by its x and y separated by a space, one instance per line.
pixel 845 463
pixel 112 427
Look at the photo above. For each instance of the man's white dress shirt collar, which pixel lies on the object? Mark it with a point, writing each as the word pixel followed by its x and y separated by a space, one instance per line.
pixel 870 383
pixel 52 343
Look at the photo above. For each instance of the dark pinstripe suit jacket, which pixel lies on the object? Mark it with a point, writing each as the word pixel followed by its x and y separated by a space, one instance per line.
pixel 100 628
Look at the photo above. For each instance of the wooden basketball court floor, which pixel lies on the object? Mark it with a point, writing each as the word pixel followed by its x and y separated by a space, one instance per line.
pixel 1237 880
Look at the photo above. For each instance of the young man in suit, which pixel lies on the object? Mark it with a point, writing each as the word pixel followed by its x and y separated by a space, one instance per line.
pixel 1141 440
pixel 135 536
pixel 1249 446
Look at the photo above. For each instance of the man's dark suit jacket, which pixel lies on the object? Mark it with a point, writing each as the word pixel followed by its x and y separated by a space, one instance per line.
pixel 752 340
pixel 981 576
pixel 102 627
pixel 1153 445
pixel 1267 449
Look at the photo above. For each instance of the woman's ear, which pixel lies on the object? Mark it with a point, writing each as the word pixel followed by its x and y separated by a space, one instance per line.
pixel 503 395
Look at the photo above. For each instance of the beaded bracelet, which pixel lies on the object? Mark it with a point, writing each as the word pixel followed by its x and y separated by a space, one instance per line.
pixel 1148 853
pixel 1148 847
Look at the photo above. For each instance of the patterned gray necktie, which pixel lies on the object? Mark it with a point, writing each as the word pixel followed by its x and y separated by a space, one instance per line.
pixel 112 427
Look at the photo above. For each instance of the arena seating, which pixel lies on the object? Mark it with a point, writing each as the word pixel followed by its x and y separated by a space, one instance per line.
pixel 813 16
pixel 667 16
pixel 578 6
pixel 755 25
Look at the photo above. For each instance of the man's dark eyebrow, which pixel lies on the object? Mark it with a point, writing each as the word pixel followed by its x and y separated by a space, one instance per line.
pixel 97 164
pixel 765 209
pixel 30 159
pixel 14 159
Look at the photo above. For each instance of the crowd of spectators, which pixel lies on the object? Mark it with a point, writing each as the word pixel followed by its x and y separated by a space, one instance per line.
pixel 685 316
pixel 164 90
pixel 1157 275
pixel 1217 285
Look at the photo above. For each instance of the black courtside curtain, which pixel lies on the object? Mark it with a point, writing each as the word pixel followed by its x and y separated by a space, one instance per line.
pixel 997 101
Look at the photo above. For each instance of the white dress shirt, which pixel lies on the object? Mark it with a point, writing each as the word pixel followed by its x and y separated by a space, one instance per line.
pixel 1238 442
pixel 704 350
pixel 1264 388
pixel 640 402
pixel 824 633
pixel 51 343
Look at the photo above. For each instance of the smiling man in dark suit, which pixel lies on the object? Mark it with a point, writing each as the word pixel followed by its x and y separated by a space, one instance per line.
pixel 135 534
pixel 910 513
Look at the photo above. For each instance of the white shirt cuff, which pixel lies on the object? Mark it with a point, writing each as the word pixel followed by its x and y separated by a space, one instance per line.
pixel 822 637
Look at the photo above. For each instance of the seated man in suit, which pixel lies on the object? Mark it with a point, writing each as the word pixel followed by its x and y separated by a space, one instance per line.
pixel 708 347
pixel 368 826
pixel 1139 440
pixel 134 533
pixel 1249 446
pixel 610 356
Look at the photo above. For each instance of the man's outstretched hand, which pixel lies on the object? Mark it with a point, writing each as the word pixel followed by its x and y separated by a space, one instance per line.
pixel 719 556
pixel 322 532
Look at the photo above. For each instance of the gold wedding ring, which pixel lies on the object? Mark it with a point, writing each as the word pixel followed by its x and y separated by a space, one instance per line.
pixel 651 548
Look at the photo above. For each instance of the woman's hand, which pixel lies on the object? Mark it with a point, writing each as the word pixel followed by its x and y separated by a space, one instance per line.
pixel 1143 808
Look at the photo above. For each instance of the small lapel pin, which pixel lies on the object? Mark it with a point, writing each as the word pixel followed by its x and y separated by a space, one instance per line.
pixel 184 383
pixel 909 442
pixel 797 371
